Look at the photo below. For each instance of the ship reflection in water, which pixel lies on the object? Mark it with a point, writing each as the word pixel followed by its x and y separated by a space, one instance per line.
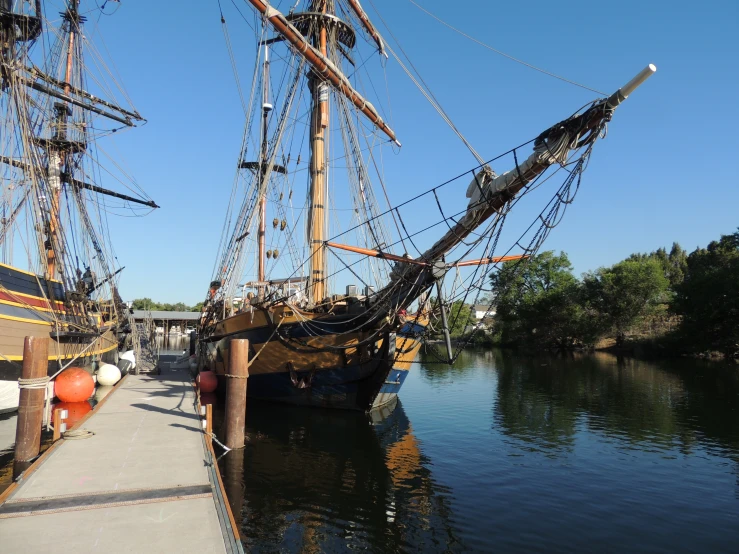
pixel 328 481
pixel 503 452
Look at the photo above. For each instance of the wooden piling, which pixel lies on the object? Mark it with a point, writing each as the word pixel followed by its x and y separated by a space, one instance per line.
pixel 236 379
pixel 31 406
pixel 193 342
pixel 233 482
pixel 209 421
pixel 57 423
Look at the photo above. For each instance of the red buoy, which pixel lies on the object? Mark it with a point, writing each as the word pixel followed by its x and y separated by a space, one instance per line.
pixel 74 385
pixel 77 411
pixel 207 381
pixel 208 398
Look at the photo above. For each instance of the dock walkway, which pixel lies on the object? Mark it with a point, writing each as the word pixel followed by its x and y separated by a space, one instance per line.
pixel 145 482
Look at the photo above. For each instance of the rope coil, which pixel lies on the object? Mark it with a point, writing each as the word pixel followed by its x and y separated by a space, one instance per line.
pixel 33 384
pixel 77 434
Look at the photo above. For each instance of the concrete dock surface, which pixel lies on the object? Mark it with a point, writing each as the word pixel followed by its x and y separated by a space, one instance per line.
pixel 145 482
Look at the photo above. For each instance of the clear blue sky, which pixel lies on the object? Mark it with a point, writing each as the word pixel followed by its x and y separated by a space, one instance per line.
pixel 665 172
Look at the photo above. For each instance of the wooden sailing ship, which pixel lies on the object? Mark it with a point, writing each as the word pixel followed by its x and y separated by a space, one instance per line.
pixel 309 346
pixel 58 276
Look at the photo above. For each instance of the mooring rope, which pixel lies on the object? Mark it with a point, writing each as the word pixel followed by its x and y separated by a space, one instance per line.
pixel 34 383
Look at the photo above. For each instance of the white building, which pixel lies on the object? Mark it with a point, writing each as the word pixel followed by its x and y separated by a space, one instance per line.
pixel 481 312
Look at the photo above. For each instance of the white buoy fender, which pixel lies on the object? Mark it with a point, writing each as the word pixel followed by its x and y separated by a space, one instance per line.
pixel 108 375
pixel 129 355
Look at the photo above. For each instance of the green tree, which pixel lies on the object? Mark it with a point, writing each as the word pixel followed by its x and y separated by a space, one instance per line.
pixel 678 265
pixel 626 292
pixel 673 264
pixel 460 316
pixel 708 298
pixel 149 304
pixel 538 302
pixel 145 304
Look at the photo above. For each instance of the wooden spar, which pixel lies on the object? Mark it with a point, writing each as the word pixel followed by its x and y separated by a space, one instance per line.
pixel 504 188
pixel 486 261
pixel 354 4
pixel 36 72
pixel 67 178
pixel 68 76
pixel 318 215
pixel 393 257
pixel 375 253
pixel 322 65
pixel 263 201
pixel 100 190
pixel 70 100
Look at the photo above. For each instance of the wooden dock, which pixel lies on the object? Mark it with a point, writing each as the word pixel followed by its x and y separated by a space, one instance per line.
pixel 145 482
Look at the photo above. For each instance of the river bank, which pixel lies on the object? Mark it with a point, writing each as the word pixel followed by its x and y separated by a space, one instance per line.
pixel 647 348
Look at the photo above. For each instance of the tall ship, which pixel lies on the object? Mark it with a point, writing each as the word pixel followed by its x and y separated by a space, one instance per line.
pixel 58 271
pixel 332 271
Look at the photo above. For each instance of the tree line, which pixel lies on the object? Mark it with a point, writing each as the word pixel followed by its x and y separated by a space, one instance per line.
pixel 684 303
pixel 149 304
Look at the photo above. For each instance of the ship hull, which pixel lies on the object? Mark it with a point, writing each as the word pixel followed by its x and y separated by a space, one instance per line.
pixel 25 311
pixel 407 346
pixel 305 360
pixel 323 364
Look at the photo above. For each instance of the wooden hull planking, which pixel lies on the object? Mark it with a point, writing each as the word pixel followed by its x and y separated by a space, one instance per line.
pixel 313 367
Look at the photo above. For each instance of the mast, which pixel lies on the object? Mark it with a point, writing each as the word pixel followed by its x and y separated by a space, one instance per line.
pixel 57 151
pixel 266 108
pixel 318 215
pixel 320 63
pixel 308 34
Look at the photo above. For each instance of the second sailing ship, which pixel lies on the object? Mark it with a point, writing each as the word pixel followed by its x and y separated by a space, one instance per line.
pixel 57 277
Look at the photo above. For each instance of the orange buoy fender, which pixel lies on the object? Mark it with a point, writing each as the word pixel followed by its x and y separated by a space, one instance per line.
pixel 77 410
pixel 74 385
pixel 207 381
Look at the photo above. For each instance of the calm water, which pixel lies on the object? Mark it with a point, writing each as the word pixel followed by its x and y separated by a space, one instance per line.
pixel 505 453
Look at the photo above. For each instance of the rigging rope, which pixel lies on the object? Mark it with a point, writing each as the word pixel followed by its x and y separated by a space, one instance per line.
pixel 425 90
pixel 530 66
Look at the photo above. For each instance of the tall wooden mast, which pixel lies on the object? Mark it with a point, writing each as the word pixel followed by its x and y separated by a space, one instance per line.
pixel 266 108
pixel 57 153
pixel 318 215
pixel 309 35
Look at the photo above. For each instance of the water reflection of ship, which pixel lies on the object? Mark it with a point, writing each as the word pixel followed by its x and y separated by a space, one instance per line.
pixel 317 481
